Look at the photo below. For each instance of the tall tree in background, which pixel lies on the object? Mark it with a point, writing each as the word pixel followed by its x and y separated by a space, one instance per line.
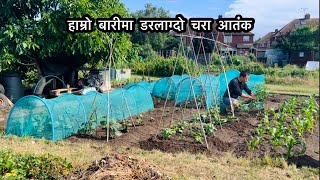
pixel 302 39
pixel 158 41
pixel 32 31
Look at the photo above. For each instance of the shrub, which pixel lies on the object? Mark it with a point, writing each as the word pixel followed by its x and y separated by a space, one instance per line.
pixel 163 67
pixel 216 59
pixel 30 166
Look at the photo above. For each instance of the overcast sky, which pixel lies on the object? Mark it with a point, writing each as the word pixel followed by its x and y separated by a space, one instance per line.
pixel 269 14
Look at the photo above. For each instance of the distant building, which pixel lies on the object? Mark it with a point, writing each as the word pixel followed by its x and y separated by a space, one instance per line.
pixel 240 43
pixel 232 43
pixel 295 57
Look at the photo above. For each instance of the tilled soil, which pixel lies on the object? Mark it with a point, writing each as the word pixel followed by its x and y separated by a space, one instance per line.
pixel 234 137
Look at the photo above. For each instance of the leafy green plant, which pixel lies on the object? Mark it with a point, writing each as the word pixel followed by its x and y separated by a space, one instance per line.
pixel 209 128
pixel 139 120
pixel 174 129
pixel 168 132
pixel 285 129
pixel 215 114
pixel 88 128
pixel 195 118
pixel 197 135
pixel 114 126
pixel 258 103
pixel 245 107
pixel 254 142
pixel 30 166
pixel 261 92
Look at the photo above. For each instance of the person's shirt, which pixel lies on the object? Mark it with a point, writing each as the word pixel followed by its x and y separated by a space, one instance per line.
pixel 236 87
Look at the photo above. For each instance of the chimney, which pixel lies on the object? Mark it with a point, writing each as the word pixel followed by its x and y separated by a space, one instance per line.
pixel 276 30
pixel 307 16
pixel 220 16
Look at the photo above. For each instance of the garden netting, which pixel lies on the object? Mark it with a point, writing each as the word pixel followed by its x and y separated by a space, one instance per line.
pixel 167 87
pixel 60 117
pixel 189 89
pixel 46 118
pixel 65 115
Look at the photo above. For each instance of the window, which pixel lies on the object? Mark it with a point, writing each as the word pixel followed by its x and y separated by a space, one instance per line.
pixel 261 45
pixel 301 54
pixel 268 45
pixel 246 38
pixel 227 39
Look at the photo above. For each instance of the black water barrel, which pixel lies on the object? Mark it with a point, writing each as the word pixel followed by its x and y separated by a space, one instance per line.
pixel 13 85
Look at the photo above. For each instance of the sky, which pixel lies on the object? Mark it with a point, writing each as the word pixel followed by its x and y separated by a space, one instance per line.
pixel 268 14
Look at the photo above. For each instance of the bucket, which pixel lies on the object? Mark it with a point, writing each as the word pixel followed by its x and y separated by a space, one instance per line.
pixel 13 86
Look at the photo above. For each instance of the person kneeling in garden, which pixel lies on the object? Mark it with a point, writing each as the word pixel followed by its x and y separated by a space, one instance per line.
pixel 236 86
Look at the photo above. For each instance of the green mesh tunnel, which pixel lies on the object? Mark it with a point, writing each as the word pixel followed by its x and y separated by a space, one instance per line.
pixel 52 119
pixel 252 82
pixel 167 85
pixel 152 85
pixel 95 105
pixel 144 84
pixel 255 80
pixel 60 117
pixel 122 104
pixel 211 86
pixel 142 98
pixel 127 86
pixel 189 90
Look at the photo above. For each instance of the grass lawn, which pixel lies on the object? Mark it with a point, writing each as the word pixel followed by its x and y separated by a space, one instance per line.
pixel 289 85
pixel 295 89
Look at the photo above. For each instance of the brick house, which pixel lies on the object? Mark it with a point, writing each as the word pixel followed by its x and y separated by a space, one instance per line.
pixel 262 45
pixel 240 43
pixel 295 57
pixel 233 43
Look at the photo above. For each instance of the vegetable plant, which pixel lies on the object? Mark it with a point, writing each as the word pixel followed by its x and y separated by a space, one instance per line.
pixel 114 127
pixel 198 135
pixel 287 126
pixel 174 129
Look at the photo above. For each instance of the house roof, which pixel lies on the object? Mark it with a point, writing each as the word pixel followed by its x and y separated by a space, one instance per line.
pixel 294 24
pixel 266 38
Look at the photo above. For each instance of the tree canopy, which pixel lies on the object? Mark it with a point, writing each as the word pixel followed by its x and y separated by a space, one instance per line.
pixel 158 41
pixel 34 30
pixel 304 38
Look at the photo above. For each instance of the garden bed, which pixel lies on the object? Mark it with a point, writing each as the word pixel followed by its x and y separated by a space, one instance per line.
pixel 230 137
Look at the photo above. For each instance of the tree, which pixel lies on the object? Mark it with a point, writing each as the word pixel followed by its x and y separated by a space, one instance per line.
pixel 158 41
pixel 206 46
pixel 301 39
pixel 33 31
